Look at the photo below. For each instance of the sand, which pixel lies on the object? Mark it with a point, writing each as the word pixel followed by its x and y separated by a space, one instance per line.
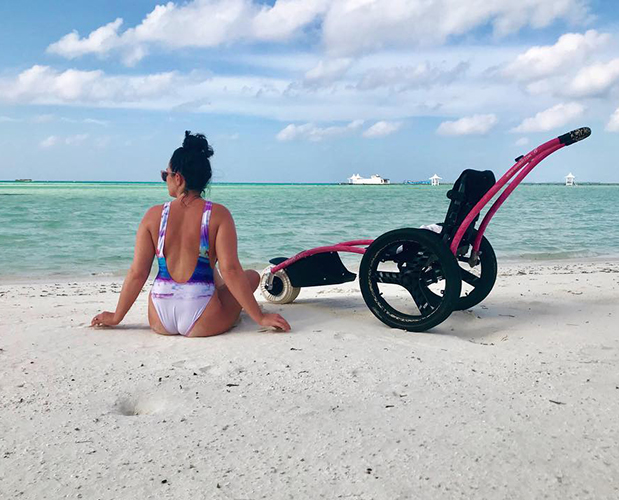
pixel 517 398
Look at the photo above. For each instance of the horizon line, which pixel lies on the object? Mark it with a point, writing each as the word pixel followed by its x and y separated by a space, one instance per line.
pixel 32 181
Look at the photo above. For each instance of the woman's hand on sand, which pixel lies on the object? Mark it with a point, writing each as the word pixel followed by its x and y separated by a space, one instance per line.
pixel 105 318
pixel 276 321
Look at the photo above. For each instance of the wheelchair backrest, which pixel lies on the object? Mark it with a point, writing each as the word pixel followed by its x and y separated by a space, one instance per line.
pixel 468 189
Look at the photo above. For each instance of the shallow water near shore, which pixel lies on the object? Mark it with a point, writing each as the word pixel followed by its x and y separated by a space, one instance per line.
pixel 59 230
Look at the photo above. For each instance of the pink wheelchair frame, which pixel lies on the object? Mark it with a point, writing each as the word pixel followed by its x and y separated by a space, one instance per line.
pixel 516 174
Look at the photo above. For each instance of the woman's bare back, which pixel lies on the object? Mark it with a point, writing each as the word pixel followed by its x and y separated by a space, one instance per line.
pixel 182 240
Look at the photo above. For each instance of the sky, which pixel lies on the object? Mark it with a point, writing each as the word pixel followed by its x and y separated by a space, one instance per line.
pixel 307 90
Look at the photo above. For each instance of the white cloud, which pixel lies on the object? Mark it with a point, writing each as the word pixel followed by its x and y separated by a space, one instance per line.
pixel 48 118
pixel 594 80
pixel 613 122
pixel 194 24
pixel 264 96
pixel 94 121
pixel 8 119
pixel 570 50
pixel 551 118
pixel 382 129
pixel 523 141
pixel 423 75
pixel 541 87
pixel 311 132
pixel 45 85
pixel 70 140
pixel 345 26
pixel 75 139
pixel 198 23
pixel 100 41
pixel 282 95
pixel 134 54
pixel 353 26
pixel 52 140
pixel 469 125
pixel 286 17
pixel 328 71
pixel 89 121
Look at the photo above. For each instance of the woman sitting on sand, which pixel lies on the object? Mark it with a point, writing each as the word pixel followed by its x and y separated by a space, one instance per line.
pixel 190 298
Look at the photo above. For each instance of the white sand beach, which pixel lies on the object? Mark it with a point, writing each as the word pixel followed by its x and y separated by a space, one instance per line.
pixel 517 398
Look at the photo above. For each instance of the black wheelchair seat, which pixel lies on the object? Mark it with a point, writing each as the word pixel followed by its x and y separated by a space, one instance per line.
pixel 468 189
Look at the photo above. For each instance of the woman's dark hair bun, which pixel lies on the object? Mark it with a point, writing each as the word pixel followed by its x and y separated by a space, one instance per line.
pixel 192 161
pixel 197 142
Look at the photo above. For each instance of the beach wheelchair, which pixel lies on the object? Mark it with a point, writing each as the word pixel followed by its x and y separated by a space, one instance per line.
pixel 414 278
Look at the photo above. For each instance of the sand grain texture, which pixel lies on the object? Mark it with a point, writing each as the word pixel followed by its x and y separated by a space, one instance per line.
pixel 517 398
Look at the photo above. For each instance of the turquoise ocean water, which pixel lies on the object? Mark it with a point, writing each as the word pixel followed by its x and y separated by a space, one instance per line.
pixel 64 230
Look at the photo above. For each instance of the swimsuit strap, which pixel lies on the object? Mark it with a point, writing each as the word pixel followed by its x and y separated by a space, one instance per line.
pixel 162 228
pixel 206 217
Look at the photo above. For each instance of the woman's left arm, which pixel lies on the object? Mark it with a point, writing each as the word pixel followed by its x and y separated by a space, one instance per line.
pixel 136 277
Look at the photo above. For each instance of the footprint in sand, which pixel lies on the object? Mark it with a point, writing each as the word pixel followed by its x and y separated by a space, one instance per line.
pixel 134 406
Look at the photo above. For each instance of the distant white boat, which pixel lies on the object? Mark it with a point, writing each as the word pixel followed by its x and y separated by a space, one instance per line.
pixel 374 179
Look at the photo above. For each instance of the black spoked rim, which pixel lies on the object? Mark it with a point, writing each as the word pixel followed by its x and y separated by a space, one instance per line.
pixel 401 274
pixel 477 281
pixel 416 267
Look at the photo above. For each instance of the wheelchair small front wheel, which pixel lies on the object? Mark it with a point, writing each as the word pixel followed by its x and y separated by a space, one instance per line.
pixel 402 265
pixel 281 290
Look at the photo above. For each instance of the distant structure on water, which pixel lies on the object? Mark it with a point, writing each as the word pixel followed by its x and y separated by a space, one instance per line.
pixel 417 183
pixel 374 179
pixel 23 180
pixel 569 179
pixel 435 180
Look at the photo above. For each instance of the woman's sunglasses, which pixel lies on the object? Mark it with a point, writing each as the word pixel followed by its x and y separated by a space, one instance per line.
pixel 164 175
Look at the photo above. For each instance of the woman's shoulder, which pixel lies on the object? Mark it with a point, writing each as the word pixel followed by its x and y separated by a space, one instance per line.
pixel 155 210
pixel 153 214
pixel 220 211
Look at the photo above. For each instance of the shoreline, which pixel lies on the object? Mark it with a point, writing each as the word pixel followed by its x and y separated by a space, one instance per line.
pixel 503 263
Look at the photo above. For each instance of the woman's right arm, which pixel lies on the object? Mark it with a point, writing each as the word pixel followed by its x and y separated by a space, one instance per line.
pixel 143 256
pixel 234 276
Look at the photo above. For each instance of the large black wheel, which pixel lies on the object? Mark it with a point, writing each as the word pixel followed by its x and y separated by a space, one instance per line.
pixel 396 273
pixel 477 281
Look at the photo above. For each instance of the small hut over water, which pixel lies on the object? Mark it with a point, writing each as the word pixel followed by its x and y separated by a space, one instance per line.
pixel 569 179
pixel 435 180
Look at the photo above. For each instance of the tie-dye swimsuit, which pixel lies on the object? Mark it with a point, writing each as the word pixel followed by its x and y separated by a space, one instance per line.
pixel 180 305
